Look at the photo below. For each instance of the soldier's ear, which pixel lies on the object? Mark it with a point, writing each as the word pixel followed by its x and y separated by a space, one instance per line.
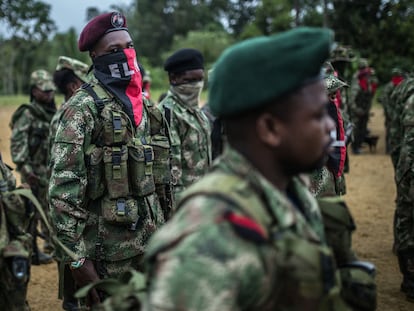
pixel 268 129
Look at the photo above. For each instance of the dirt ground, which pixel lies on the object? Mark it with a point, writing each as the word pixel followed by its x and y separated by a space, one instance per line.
pixel 371 194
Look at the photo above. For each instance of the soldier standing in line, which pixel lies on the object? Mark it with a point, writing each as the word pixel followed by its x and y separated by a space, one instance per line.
pixel 68 77
pixel 29 147
pixel 385 99
pixel 189 127
pixel 363 88
pixel 15 244
pixel 404 177
pixel 107 157
pixel 249 235
pixel 329 179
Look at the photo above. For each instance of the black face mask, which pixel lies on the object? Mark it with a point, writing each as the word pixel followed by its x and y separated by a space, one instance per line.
pixel 119 74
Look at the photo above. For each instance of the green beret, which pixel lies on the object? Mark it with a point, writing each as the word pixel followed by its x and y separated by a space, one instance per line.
pixel 251 73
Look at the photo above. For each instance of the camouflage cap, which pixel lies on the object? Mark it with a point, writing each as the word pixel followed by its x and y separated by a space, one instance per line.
pixel 397 71
pixel 333 83
pixel 42 80
pixel 79 68
pixel 362 63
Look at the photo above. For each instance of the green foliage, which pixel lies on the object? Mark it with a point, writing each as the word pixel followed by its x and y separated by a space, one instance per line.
pixel 379 30
pixel 13 100
pixel 211 44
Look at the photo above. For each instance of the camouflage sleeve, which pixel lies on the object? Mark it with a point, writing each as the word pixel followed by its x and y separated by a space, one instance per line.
pixel 19 144
pixel 202 264
pixel 68 180
pixel 52 133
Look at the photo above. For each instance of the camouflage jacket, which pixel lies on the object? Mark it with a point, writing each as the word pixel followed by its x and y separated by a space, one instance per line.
pixel 398 100
pixel 79 217
pixel 361 100
pixel 29 139
pixel 14 218
pixel 406 157
pixel 231 246
pixel 53 128
pixel 190 142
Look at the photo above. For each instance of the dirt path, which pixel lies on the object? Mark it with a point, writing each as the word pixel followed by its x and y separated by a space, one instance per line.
pixel 371 194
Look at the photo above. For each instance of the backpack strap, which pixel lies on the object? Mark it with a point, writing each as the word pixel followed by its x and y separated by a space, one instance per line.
pixel 100 103
pixel 247 223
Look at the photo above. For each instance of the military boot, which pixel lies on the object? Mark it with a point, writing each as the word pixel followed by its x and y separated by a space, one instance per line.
pixel 406 263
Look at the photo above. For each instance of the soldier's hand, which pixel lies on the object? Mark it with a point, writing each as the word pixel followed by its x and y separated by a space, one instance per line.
pixel 85 275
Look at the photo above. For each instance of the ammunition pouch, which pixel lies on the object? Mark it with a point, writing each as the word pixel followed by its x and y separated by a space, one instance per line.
pixel 95 171
pixel 315 282
pixel 120 211
pixel 339 225
pixel 358 285
pixel 141 161
pixel 116 171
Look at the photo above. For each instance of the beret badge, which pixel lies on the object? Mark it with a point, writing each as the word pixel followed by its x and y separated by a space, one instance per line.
pixel 117 20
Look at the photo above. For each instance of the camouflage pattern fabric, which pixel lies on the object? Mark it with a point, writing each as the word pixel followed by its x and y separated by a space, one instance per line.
pixel 224 249
pixel 398 99
pixel 15 244
pixel 385 100
pixel 29 145
pixel 42 79
pixel 404 221
pixel 359 108
pixel 190 142
pixel 76 215
pixel 79 68
pixel 322 183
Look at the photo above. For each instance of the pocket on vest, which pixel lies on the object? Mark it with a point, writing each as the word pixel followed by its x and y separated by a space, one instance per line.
pixel 141 161
pixel 116 171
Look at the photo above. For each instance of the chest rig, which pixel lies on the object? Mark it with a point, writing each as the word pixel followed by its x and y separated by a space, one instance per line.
pixel 125 164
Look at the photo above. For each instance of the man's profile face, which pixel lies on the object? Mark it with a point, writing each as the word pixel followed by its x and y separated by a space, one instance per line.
pixel 306 134
pixel 112 42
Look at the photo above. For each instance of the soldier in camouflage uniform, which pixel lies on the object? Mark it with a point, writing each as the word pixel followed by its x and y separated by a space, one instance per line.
pixel 248 235
pixel 29 143
pixel 404 177
pixel 385 99
pixel 189 126
pixel 15 244
pixel 329 180
pixel 68 77
pixel 105 172
pixel 363 88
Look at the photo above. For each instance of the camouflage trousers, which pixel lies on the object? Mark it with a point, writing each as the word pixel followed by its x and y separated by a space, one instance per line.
pixel 12 294
pixel 404 213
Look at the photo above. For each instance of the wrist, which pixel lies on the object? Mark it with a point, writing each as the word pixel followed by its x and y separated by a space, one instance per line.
pixel 73 265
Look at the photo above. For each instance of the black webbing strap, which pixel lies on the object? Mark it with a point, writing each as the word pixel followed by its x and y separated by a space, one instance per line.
pixel 98 101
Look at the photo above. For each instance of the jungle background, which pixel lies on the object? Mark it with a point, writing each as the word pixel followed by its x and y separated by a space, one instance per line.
pixel 379 30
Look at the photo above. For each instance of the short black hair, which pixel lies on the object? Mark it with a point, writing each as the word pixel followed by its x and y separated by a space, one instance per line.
pixel 63 77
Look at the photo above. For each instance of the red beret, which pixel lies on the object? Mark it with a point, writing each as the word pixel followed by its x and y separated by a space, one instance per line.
pixel 98 27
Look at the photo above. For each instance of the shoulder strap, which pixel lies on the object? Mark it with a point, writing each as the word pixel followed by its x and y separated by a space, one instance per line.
pixel 231 189
pixel 100 103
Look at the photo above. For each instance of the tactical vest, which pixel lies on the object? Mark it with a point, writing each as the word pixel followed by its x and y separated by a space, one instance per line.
pixel 122 167
pixel 307 268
